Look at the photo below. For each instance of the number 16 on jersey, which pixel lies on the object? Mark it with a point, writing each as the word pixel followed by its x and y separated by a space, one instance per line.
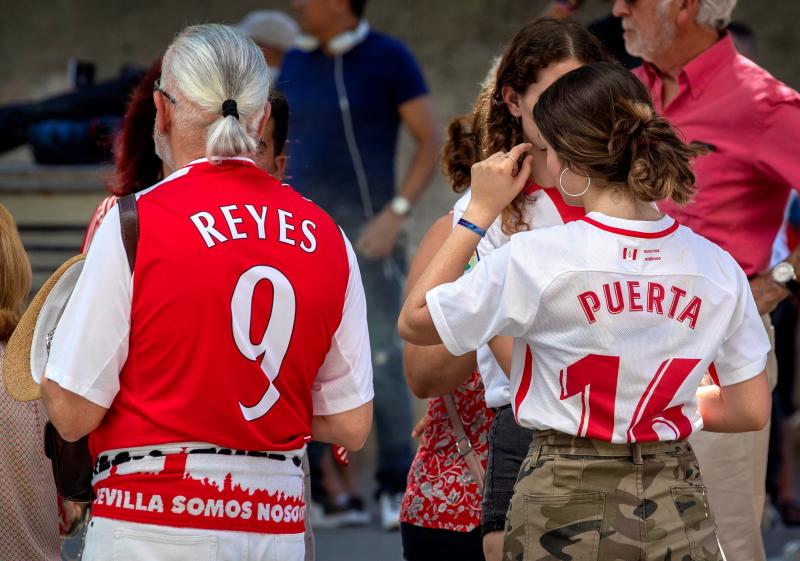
pixel 594 378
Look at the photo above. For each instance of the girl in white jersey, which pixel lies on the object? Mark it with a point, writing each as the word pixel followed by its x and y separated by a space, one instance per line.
pixel 537 55
pixel 616 318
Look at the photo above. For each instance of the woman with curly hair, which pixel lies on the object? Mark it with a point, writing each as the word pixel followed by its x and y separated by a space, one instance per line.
pixel 536 56
pixel 615 318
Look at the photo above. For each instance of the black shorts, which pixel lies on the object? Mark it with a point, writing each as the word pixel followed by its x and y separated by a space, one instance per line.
pixel 508 446
pixel 428 544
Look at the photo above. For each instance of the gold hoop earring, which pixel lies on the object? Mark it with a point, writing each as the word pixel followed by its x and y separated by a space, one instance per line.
pixel 561 184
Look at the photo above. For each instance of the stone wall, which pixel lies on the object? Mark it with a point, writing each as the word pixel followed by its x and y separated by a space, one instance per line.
pixel 453 39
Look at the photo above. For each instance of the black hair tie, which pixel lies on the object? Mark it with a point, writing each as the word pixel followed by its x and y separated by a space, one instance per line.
pixel 229 108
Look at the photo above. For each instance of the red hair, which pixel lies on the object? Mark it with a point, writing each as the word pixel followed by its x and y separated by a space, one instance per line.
pixel 136 164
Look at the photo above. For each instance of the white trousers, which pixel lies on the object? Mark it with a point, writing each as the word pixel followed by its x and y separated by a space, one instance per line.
pixel 117 540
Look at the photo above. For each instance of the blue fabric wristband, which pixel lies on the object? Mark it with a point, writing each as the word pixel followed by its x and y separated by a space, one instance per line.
pixel 472 227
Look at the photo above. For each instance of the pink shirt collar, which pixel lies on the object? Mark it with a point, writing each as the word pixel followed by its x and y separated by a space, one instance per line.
pixel 702 69
pixel 750 121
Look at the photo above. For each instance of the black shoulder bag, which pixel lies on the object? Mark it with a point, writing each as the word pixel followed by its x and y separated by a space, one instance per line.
pixel 72 462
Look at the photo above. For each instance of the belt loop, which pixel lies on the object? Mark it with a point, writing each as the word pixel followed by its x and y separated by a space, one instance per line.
pixel 637 454
pixel 537 442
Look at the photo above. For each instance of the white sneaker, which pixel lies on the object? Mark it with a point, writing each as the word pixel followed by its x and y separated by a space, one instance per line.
pixel 389 504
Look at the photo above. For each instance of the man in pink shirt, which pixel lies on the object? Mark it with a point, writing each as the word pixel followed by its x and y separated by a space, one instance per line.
pixel 750 123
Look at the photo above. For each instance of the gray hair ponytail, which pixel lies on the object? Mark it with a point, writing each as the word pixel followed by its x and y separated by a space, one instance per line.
pixel 211 65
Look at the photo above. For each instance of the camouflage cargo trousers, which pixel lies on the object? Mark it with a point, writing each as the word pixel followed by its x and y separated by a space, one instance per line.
pixel 578 499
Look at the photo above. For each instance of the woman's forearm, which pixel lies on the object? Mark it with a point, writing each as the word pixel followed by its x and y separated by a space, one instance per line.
pixel 415 323
pixel 739 407
pixel 348 428
pixel 433 371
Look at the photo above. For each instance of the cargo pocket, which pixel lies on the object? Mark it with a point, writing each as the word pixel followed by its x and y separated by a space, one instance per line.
pixel 701 530
pixel 563 526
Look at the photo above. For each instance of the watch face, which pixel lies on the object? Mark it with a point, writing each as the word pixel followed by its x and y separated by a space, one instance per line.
pixel 400 205
pixel 783 272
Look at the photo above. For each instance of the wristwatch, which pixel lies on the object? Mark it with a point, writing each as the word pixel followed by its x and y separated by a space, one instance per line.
pixel 400 206
pixel 784 274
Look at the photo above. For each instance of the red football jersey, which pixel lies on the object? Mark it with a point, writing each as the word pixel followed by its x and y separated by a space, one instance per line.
pixel 238 292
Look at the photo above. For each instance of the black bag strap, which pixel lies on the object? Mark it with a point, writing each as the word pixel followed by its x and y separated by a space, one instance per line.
pixel 72 461
pixel 129 225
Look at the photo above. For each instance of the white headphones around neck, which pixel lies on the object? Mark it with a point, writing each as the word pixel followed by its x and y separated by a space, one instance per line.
pixel 340 44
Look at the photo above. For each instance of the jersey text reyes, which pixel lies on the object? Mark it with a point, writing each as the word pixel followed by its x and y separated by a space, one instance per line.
pixel 206 224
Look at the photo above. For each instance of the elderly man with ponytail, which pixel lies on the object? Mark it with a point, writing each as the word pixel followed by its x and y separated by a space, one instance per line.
pixel 750 122
pixel 239 334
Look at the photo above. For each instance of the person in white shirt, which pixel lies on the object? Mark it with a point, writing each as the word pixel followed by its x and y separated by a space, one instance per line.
pixel 539 53
pixel 615 319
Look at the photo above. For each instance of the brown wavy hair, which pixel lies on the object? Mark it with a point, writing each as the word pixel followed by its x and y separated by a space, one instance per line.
pixel 601 118
pixel 15 275
pixel 490 127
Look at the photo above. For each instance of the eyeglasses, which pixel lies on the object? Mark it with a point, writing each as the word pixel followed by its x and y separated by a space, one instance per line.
pixel 157 88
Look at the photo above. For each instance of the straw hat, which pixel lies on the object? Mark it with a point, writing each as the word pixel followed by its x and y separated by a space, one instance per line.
pixel 29 345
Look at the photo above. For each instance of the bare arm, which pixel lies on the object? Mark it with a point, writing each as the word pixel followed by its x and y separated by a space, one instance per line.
pixel 379 236
pixel 418 116
pixel 739 407
pixel 502 348
pixel 348 428
pixel 432 371
pixel 415 323
pixel 775 155
pixel 73 416
pixel 495 182
pixel 767 292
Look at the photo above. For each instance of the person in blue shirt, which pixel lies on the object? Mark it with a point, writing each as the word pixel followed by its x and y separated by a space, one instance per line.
pixel 349 89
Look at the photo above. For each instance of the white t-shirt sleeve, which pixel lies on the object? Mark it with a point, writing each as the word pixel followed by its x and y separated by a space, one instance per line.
pixel 743 354
pixel 90 344
pixel 460 207
pixel 492 299
pixel 344 381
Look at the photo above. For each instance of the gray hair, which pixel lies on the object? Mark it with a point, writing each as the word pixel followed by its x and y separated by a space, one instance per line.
pixel 716 13
pixel 205 66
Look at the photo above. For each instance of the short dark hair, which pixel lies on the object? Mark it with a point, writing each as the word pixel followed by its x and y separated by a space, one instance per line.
pixel 358 7
pixel 280 116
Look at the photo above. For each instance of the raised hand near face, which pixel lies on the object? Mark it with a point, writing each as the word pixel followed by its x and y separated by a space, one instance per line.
pixel 497 180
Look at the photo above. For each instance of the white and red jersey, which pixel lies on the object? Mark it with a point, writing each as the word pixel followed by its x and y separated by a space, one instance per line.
pixel 616 322
pixel 97 219
pixel 245 315
pixel 545 207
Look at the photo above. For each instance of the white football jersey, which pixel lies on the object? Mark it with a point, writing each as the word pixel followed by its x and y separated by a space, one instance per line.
pixel 616 321
pixel 545 208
